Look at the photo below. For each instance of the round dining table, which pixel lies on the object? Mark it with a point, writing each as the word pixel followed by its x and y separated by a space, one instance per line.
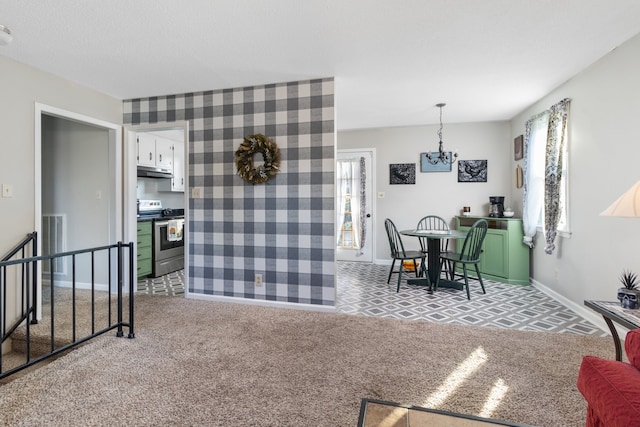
pixel 433 237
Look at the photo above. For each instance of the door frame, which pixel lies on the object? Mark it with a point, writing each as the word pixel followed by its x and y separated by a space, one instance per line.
pixel 372 233
pixel 130 161
pixel 115 172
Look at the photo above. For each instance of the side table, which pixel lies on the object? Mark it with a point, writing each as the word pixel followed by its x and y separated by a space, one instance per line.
pixel 612 312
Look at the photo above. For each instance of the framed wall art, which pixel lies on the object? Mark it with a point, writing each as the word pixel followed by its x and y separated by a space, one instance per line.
pixel 402 173
pixel 472 171
pixel 518 148
pixel 426 166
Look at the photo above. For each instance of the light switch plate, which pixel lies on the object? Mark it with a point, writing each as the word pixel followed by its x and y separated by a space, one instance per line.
pixel 7 190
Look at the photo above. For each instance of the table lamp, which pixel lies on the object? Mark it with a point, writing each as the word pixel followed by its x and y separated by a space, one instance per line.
pixel 628 205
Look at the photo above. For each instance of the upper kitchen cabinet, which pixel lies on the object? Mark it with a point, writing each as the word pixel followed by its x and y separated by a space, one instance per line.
pixel 155 151
pixel 164 153
pixel 177 183
pixel 146 150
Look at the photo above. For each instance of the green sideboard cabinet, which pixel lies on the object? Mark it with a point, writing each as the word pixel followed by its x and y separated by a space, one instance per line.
pixel 504 257
pixel 144 248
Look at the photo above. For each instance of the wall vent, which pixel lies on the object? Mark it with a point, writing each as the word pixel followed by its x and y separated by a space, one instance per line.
pixel 54 241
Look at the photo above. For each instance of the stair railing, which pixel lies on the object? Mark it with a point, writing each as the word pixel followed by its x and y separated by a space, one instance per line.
pixel 26 283
pixel 23 264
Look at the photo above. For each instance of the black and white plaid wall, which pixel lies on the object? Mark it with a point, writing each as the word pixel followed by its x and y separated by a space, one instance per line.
pixel 282 229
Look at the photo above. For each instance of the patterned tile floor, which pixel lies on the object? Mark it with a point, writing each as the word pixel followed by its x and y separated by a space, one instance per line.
pixel 171 284
pixel 363 290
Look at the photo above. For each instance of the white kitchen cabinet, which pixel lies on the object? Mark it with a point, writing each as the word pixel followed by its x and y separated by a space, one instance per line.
pixel 164 153
pixel 146 150
pixel 177 183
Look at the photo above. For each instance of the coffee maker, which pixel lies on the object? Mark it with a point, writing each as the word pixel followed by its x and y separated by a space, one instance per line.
pixel 496 206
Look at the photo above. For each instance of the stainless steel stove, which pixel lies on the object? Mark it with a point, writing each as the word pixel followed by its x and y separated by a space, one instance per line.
pixel 168 236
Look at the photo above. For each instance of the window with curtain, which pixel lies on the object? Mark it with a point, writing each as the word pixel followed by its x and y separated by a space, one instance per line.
pixel 350 196
pixel 545 175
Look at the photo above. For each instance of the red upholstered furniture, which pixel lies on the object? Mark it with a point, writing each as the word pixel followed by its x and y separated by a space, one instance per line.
pixel 612 389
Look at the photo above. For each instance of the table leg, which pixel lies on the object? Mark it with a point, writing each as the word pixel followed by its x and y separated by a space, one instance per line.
pixel 433 247
pixel 616 338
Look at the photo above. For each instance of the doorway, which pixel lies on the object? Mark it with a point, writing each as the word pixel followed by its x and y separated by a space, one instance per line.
pixel 354 205
pixel 172 193
pixel 78 181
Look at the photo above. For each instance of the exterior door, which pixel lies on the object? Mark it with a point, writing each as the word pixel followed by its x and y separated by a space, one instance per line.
pixel 354 205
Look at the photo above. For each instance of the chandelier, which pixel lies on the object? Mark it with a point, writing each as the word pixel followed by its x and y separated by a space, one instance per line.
pixel 443 157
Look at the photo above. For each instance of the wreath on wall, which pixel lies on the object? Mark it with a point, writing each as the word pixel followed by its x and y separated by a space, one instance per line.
pixel 252 144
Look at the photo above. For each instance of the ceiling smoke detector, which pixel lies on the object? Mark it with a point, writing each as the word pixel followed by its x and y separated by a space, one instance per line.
pixel 5 35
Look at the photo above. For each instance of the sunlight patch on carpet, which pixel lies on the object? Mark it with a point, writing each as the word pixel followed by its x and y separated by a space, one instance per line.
pixel 456 378
pixel 496 395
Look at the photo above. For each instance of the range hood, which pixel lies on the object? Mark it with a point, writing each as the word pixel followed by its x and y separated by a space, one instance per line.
pixel 153 172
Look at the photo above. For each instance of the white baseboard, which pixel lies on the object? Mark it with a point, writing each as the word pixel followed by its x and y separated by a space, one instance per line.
pixel 276 304
pixel 580 310
pixel 102 287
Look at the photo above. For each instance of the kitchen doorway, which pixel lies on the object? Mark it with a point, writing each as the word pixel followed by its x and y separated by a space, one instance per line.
pixel 151 188
pixel 355 184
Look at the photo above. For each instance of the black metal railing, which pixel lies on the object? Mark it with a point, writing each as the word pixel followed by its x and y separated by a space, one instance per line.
pixel 27 289
pixel 114 277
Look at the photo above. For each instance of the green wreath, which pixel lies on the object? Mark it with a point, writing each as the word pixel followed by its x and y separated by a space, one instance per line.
pixel 252 144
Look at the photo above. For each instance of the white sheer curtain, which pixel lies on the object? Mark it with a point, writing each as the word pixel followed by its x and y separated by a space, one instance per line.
pixel 348 173
pixel 534 169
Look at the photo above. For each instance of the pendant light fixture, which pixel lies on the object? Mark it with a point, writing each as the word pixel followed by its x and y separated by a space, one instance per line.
pixel 5 35
pixel 443 157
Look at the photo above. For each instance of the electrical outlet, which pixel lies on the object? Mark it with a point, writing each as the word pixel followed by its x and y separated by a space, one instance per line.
pixel 196 192
pixel 258 279
pixel 381 195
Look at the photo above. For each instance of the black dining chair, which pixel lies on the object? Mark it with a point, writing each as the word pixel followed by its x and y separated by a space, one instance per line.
pixel 434 222
pixel 398 253
pixel 470 253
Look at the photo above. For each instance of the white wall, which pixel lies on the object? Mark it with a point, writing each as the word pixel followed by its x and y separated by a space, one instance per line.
pixel 437 193
pixel 75 167
pixel 21 87
pixel 603 162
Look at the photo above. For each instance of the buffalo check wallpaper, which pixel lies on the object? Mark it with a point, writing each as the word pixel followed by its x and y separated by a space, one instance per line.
pixel 282 229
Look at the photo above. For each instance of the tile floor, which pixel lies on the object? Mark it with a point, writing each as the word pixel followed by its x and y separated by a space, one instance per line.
pixel 362 289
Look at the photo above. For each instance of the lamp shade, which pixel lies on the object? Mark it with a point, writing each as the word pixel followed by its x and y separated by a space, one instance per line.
pixel 628 205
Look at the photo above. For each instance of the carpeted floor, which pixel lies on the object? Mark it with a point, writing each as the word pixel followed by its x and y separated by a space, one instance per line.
pixel 204 363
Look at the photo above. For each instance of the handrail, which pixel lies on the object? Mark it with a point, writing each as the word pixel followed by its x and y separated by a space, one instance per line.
pixel 29 298
pixel 19 246
pixel 28 301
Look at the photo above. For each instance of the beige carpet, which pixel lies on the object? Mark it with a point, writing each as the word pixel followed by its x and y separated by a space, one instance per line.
pixel 203 363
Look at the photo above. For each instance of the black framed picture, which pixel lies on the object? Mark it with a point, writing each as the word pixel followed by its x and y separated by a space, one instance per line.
pixel 472 171
pixel 402 173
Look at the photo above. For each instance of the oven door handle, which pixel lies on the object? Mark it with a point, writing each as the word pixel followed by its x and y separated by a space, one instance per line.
pixel 161 223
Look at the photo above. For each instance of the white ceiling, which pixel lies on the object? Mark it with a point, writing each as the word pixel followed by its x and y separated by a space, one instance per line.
pixel 393 60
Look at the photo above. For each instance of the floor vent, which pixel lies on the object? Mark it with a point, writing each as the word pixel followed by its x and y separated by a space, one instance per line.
pixel 54 241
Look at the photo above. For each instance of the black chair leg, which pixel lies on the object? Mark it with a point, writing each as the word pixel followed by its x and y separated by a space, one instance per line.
pixel 480 278
pixel 393 263
pixel 466 280
pixel 400 276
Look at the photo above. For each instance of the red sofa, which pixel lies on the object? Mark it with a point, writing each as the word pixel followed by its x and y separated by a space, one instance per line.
pixel 612 389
